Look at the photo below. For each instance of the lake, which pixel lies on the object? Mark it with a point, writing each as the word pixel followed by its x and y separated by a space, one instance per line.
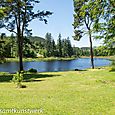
pixel 51 66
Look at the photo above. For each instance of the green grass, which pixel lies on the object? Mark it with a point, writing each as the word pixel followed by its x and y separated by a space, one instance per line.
pixel 90 92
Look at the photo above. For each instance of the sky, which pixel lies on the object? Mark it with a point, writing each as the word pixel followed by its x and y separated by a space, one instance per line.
pixel 59 22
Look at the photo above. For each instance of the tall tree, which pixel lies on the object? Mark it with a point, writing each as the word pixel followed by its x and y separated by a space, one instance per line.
pixel 48 44
pixel 2 14
pixel 59 45
pixel 53 46
pixel 106 29
pixel 64 48
pixel 2 42
pixel 87 13
pixel 12 38
pixel 69 48
pixel 20 14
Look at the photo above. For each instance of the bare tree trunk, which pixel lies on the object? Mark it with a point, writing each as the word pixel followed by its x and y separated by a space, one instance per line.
pixel 91 50
pixel 20 48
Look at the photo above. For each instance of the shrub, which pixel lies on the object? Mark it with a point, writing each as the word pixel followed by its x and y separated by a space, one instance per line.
pixel 113 63
pixel 18 78
pixel 112 69
pixel 32 70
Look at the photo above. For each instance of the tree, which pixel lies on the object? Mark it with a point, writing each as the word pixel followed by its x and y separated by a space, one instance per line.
pixel 48 44
pixel 87 13
pixel 12 44
pixel 64 48
pixel 59 45
pixel 2 14
pixel 53 46
pixel 106 29
pixel 20 14
pixel 69 48
pixel 2 43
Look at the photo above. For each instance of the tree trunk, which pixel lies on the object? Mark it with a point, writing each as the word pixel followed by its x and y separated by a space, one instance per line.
pixel 20 48
pixel 91 50
pixel 20 37
pixel 20 57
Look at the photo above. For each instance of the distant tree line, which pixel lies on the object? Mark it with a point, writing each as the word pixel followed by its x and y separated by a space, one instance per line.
pixel 103 50
pixel 45 47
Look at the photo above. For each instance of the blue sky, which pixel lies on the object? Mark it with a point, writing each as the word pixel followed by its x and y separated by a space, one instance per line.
pixel 60 22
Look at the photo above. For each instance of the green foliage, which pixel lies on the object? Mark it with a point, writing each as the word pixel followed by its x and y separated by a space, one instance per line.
pixel 9 47
pixel 18 78
pixel 29 53
pixel 112 69
pixel 67 50
pixel 48 44
pixel 3 12
pixel 62 49
pixel 113 63
pixel 32 70
pixel 106 28
pixel 59 45
pixel 103 51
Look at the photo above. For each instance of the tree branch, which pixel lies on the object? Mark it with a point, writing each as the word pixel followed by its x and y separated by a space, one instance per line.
pixel 86 23
pixel 10 30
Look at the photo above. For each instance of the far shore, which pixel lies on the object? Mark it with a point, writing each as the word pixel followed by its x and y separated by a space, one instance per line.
pixel 39 59
pixel 112 58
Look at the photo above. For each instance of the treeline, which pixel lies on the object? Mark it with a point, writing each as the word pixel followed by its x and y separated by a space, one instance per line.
pixel 40 47
pixel 36 46
pixel 97 51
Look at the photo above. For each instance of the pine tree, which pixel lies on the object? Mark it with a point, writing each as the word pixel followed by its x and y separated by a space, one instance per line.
pixel 53 52
pixel 69 47
pixel 48 44
pixel 59 46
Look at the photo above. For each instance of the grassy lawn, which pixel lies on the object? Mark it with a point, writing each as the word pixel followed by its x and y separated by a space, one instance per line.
pixel 90 92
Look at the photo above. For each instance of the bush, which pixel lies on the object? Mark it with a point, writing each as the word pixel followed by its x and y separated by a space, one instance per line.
pixel 18 78
pixel 113 63
pixel 112 69
pixel 32 70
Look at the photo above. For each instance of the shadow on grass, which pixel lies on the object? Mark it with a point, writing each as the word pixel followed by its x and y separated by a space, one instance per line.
pixel 6 78
pixel 34 77
pixel 80 70
pixel 27 77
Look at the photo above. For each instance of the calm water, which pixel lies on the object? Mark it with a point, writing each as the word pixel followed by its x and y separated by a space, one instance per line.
pixel 51 66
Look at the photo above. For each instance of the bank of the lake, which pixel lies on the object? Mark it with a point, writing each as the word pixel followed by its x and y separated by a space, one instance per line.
pixel 88 92
pixel 112 58
pixel 39 59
